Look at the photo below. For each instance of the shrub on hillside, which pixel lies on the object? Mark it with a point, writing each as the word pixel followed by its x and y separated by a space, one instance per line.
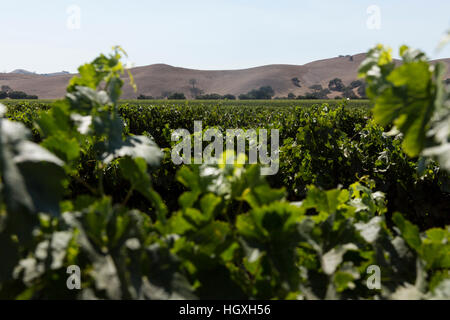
pixel 336 85
pixel 20 95
pixel 177 96
pixel 144 97
pixel 265 93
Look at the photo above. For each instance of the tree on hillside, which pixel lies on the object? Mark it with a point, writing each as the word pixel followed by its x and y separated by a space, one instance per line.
pixel 195 91
pixel 296 82
pixel 7 92
pixel 265 93
pixel 318 93
pixel 20 95
pixel 165 94
pixel 193 82
pixel 362 91
pixel 5 88
pixel 291 96
pixel 229 97
pixel 356 84
pixel 348 93
pixel 144 97
pixel 177 96
pixel 316 87
pixel 336 85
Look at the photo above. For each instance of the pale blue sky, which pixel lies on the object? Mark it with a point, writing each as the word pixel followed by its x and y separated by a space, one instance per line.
pixel 209 34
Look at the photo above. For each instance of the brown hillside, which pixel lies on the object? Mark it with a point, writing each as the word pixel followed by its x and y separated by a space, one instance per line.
pixel 155 79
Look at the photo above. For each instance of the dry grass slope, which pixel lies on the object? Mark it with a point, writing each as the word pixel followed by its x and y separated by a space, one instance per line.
pixel 155 79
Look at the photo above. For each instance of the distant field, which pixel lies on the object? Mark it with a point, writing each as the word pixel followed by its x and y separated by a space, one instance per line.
pixel 246 103
pixel 11 102
pixel 251 103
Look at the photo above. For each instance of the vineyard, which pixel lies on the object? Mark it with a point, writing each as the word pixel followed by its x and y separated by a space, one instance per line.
pixel 216 103
pixel 89 181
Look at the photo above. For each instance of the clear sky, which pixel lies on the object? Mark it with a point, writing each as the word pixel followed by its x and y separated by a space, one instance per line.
pixel 210 34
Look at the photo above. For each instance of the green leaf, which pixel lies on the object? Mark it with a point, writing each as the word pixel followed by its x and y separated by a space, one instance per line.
pixel 343 281
pixel 435 248
pixel 165 282
pixel 370 231
pixel 55 121
pixel 83 123
pixel 114 89
pixel 23 165
pixel 333 258
pixel 324 201
pixel 409 102
pixel 263 195
pixel 208 204
pixel 135 171
pixel 189 178
pixel 66 148
pixel 408 231
pixel 135 147
pixel 441 291
pixel 213 239
pixel 86 100
pixel 406 96
pixel 88 77
pixel 188 199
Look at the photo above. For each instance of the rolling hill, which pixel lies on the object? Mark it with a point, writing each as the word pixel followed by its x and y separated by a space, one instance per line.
pixel 155 79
